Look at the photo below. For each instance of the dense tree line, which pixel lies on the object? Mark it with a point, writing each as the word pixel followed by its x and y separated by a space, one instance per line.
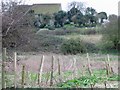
pixel 79 15
pixel 82 17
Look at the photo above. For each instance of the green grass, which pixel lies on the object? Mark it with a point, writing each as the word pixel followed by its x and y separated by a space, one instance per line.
pixel 99 76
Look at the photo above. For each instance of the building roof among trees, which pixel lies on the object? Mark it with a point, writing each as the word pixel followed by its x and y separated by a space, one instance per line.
pixel 46 8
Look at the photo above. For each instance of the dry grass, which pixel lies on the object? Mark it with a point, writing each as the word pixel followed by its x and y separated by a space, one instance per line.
pixel 87 38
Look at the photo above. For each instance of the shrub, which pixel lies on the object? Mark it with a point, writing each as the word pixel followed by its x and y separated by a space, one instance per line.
pixel 111 34
pixel 69 27
pixel 48 43
pixel 50 27
pixel 88 31
pixel 91 47
pixel 42 43
pixel 73 46
pixel 42 26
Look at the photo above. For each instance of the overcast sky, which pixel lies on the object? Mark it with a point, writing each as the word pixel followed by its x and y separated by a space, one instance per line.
pixel 109 6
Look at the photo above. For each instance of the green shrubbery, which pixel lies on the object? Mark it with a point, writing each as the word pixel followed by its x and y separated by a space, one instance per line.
pixel 43 43
pixel 111 34
pixel 87 80
pixel 73 46
pixel 49 40
pixel 47 43
pixel 51 27
pixel 91 47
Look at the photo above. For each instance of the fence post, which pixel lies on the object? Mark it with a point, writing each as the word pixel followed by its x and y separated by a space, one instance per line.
pixel 107 72
pixel 15 60
pixel 23 76
pixel 51 76
pixel 105 84
pixel 3 67
pixel 40 70
pixel 107 65
pixel 89 69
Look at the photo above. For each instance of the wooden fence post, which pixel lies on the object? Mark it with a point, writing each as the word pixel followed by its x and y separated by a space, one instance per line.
pixel 3 67
pixel 51 76
pixel 23 76
pixel 89 66
pixel 40 70
pixel 108 69
pixel 15 62
pixel 105 84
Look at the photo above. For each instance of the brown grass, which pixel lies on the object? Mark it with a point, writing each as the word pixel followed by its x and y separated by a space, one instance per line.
pixel 87 38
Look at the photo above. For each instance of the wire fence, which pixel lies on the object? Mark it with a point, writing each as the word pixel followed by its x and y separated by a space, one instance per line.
pixel 47 71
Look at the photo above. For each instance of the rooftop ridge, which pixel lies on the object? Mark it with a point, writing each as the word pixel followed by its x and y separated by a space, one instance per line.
pixel 48 4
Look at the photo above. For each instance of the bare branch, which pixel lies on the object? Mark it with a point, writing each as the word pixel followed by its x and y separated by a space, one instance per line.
pixel 13 22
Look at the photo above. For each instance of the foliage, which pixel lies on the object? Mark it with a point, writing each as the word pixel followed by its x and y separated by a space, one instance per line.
pixel 47 43
pixel 90 16
pixel 90 47
pixel 90 11
pixel 59 18
pixel 84 81
pixel 42 20
pixel 69 27
pixel 88 31
pixel 78 5
pixel 17 28
pixel 114 78
pixel 32 77
pixel 51 27
pixel 102 16
pixel 98 76
pixel 73 46
pixel 111 38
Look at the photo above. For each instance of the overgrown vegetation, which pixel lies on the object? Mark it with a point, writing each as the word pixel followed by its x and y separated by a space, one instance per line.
pixel 99 76
pixel 21 34
pixel 82 81
pixel 111 33
pixel 43 43
pixel 72 46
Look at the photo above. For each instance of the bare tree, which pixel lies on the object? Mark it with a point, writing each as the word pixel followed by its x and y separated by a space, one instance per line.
pixel 79 5
pixel 17 23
